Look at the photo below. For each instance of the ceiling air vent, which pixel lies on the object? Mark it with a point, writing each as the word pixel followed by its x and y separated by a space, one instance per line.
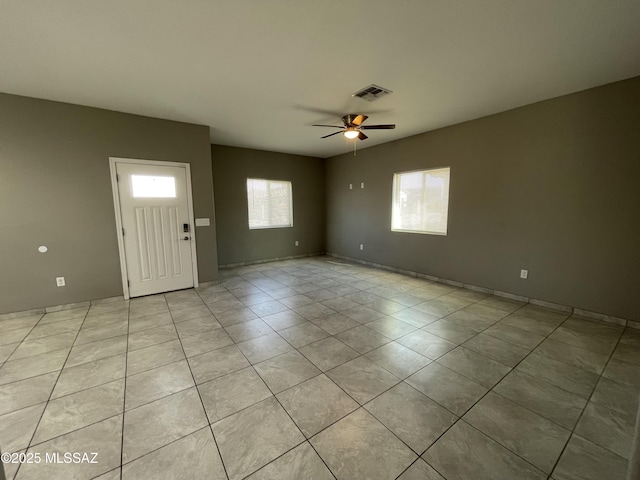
pixel 371 93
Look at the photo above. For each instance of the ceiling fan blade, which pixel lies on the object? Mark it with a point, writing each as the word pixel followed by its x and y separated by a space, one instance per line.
pixel 332 126
pixel 379 127
pixel 362 136
pixel 332 134
pixel 359 119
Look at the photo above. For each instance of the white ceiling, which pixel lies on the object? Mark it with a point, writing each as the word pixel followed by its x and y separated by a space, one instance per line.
pixel 260 72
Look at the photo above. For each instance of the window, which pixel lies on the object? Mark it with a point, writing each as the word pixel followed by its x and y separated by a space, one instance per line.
pixel 421 201
pixel 147 186
pixel 270 203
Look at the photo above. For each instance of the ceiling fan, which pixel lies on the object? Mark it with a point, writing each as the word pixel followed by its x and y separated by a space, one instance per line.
pixel 353 127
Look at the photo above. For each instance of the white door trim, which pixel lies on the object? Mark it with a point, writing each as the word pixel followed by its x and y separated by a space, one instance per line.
pixel 118 213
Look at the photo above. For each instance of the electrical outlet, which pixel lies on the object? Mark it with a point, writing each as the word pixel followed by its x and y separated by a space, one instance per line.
pixel 524 274
pixel 362 185
pixel 351 186
pixel 60 281
pixel 296 243
pixel 361 246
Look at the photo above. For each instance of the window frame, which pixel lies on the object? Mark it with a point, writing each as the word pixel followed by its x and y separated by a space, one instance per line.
pixel 394 193
pixel 268 180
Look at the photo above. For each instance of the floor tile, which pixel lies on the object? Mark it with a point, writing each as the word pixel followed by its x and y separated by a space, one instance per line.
pixel 88 375
pixel 563 375
pixel 362 339
pixel 398 359
pixel 301 462
pixel 497 349
pixel 78 410
pixel 156 424
pixel 159 382
pixel 464 453
pixel 362 379
pixel 539 326
pixel 584 340
pixel 551 402
pixel 286 319
pixel 607 428
pixel 427 344
pixel 328 353
pixel 623 372
pixel 476 317
pixel 231 393
pixel 391 327
pixel 315 404
pixel 253 437
pixel 631 336
pixel 334 323
pixel 627 353
pixel 420 470
pixel 314 310
pixel 302 334
pixel 578 357
pixel 97 350
pixel 451 390
pixel 532 437
pixel 194 456
pixel 514 335
pixel 143 323
pixel 415 317
pixel 152 336
pixel 232 316
pixel 477 367
pixel 358 447
pixel 14 336
pixel 65 326
pixel 25 393
pixel 363 314
pixel 450 331
pixel 103 332
pixel 285 371
pixel 440 308
pixel 296 301
pixel 16 428
pixel 32 366
pixel 341 304
pixel 7 350
pixel 248 330
pixel 155 356
pixel 414 418
pixel 501 303
pixel 616 396
pixel 216 363
pixel 583 460
pixel 197 326
pixel 190 313
pixel 29 348
pixel 103 438
pixel 262 348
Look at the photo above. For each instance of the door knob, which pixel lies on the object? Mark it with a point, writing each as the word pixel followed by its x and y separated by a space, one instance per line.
pixel 186 238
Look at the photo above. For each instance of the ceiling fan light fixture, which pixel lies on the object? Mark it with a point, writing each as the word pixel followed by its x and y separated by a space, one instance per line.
pixel 351 133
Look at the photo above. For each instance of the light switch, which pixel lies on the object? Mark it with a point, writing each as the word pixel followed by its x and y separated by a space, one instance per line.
pixel 202 222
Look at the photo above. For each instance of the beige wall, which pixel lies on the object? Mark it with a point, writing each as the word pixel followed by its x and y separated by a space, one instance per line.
pixel 552 187
pixel 55 190
pixel 236 243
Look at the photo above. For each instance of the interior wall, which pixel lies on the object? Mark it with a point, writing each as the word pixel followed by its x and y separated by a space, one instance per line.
pixel 236 243
pixel 552 187
pixel 55 190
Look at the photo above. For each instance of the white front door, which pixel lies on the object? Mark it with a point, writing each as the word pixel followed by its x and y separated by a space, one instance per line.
pixel 157 228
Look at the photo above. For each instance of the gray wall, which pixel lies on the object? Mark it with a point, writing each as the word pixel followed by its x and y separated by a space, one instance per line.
pixel 236 243
pixel 552 187
pixel 55 190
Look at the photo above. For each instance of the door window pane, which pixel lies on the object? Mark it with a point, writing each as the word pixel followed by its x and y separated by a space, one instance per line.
pixel 147 186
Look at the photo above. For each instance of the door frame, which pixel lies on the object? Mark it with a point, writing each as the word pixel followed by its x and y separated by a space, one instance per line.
pixel 119 228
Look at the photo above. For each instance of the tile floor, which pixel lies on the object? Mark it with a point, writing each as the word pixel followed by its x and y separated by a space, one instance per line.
pixel 315 369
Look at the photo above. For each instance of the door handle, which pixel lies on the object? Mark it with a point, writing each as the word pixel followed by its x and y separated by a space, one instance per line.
pixel 185 238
